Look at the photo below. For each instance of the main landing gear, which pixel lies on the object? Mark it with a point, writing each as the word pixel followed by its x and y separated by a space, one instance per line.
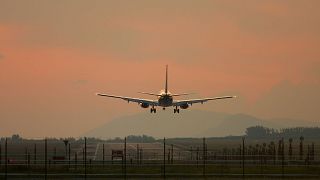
pixel 153 110
pixel 176 110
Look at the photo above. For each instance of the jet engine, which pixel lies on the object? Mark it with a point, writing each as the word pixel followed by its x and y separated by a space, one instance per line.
pixel 184 106
pixel 144 105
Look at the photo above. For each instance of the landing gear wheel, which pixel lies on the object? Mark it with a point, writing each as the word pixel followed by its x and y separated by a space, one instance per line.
pixel 154 110
pixel 151 110
pixel 178 110
pixel 174 110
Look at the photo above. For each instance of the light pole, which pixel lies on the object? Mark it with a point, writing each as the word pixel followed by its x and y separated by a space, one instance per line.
pixel 66 141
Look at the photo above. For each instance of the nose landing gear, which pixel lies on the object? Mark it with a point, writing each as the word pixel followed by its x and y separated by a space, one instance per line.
pixel 176 110
pixel 153 110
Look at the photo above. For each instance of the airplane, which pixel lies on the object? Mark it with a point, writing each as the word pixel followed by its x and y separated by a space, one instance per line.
pixel 165 99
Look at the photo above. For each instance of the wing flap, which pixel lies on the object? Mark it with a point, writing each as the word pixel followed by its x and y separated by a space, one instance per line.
pixel 130 99
pixel 193 101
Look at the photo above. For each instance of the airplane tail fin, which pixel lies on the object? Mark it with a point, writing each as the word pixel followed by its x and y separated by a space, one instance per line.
pixel 166 86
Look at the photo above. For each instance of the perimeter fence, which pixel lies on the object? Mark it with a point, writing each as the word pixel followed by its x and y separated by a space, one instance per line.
pixel 164 158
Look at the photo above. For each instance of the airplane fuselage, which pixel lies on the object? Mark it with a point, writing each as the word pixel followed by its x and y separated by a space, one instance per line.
pixel 165 100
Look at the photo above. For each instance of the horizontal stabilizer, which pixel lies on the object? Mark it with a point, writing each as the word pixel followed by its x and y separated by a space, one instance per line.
pixel 182 94
pixel 152 94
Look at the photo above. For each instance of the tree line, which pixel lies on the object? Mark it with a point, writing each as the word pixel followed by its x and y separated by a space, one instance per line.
pixel 296 132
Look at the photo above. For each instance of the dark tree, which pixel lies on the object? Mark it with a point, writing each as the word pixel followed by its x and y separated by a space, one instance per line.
pixel 290 148
pixel 301 148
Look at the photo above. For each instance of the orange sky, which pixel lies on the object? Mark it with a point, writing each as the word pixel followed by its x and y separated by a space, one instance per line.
pixel 54 55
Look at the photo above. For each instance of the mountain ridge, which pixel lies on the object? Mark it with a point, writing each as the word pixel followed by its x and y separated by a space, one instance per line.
pixel 195 123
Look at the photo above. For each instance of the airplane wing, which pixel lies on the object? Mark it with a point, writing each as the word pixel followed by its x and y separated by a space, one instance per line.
pixel 193 101
pixel 130 99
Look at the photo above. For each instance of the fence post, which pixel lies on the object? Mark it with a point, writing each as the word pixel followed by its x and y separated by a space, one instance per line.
pixel 45 157
pixel 103 155
pixel 171 153
pixel 204 156
pixel 26 155
pixel 85 157
pixel 197 158
pixel 274 154
pixel 138 154
pixel 243 138
pixel 69 153
pixel 75 160
pixel 312 151
pixel 28 160
pixel 282 158
pixel 141 155
pixel 125 157
pixel 164 157
pixel 6 158
pixel 35 154
pixel 0 154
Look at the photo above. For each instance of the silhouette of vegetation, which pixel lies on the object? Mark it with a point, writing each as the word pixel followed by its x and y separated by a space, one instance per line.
pixel 297 132
pixel 255 132
pixel 140 139
pixel 135 139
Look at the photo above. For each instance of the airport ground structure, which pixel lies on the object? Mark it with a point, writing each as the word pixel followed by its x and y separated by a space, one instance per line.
pixel 87 158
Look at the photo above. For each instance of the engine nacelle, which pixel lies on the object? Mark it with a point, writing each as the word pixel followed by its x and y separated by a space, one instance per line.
pixel 184 106
pixel 144 105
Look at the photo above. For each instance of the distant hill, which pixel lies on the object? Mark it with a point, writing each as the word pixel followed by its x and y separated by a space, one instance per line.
pixel 189 123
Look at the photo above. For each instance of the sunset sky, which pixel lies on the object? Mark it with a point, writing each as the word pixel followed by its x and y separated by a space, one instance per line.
pixel 55 55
